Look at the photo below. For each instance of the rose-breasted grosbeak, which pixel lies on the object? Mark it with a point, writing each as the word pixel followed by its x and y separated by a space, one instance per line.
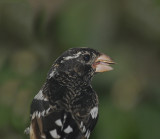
pixel 66 107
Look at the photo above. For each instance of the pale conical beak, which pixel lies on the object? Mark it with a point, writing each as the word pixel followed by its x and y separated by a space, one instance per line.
pixel 102 63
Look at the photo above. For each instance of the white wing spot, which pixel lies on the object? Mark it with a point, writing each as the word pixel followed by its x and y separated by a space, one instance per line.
pixel 40 96
pixel 36 113
pixel 54 134
pixel 43 136
pixel 87 134
pixel 94 112
pixel 51 74
pixel 26 131
pixel 84 129
pixel 68 130
pixel 81 125
pixel 58 122
pixel 45 99
pixel 65 116
pixel 33 115
pixel 43 113
pixel 39 114
pixel 47 111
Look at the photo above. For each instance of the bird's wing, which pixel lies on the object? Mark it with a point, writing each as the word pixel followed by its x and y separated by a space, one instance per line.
pixel 78 126
pixel 36 131
pixel 40 107
pixel 85 111
pixel 49 121
pixel 52 122
pixel 60 124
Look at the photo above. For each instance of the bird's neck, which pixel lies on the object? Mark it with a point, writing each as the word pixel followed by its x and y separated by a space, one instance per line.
pixel 73 80
pixel 58 89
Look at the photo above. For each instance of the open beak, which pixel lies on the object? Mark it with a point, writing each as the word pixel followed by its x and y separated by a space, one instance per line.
pixel 102 63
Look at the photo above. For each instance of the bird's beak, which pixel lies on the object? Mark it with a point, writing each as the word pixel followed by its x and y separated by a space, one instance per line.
pixel 102 63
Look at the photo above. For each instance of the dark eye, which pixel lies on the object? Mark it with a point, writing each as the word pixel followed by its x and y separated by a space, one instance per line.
pixel 86 58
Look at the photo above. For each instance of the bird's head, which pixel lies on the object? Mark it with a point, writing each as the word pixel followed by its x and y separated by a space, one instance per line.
pixel 80 63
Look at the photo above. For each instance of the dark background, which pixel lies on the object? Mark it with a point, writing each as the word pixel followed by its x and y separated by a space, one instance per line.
pixel 33 33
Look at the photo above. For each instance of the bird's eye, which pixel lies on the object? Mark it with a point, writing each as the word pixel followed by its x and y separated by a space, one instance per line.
pixel 86 58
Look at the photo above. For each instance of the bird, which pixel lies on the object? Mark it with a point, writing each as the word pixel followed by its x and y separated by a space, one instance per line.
pixel 66 107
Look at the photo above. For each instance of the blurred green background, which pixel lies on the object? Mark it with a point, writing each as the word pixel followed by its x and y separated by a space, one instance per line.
pixel 33 33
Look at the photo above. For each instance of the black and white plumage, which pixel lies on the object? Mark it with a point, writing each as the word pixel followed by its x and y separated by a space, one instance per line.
pixel 66 107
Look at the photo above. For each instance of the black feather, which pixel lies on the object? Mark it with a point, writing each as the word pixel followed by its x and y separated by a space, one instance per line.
pixel 67 96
